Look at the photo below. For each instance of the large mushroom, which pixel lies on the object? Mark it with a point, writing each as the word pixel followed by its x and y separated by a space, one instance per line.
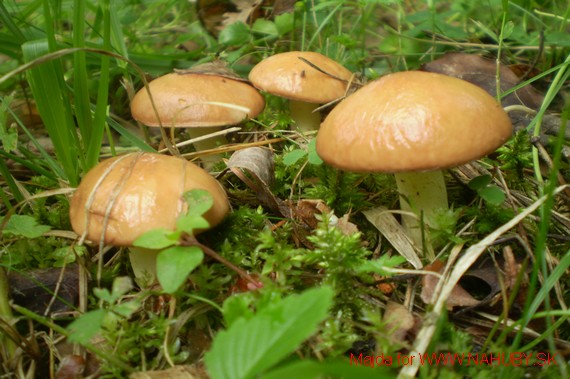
pixel 199 101
pixel 413 124
pixel 289 75
pixel 123 197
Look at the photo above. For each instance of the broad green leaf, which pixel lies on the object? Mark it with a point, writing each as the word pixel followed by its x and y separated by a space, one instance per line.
pixel 263 26
pixel 156 239
pixel 84 328
pixel 251 346
pixel 174 264
pixel 285 23
pixel 199 201
pixel 189 223
pixel 24 226
pixel 479 182
pixel 492 194
pixel 313 157
pixel 234 34
pixel 293 156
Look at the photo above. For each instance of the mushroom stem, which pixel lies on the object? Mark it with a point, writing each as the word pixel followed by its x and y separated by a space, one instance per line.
pixel 421 193
pixel 302 114
pixel 207 144
pixel 143 262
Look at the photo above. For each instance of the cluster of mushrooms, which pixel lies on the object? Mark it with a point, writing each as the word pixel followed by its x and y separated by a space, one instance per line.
pixel 413 124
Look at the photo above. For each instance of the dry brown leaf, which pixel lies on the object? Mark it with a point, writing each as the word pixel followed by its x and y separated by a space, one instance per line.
pixel 398 321
pixel 458 296
pixel 346 227
pixel 482 72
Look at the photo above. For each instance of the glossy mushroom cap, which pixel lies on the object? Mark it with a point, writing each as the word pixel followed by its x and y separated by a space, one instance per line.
pixel 412 121
pixel 139 192
pixel 181 100
pixel 288 76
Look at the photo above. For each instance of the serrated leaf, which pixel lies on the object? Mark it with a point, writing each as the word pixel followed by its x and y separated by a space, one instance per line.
pixel 292 157
pixel 84 328
pixel 174 264
pixel 24 226
pixel 492 194
pixel 251 346
pixel 234 34
pixel 156 239
pixel 199 201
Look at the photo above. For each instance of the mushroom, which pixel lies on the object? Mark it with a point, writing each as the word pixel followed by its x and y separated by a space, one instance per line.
pixel 413 124
pixel 200 101
pixel 123 197
pixel 289 75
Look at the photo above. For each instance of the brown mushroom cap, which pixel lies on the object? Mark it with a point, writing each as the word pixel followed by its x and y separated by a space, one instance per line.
pixel 145 191
pixel 288 76
pixel 180 99
pixel 412 121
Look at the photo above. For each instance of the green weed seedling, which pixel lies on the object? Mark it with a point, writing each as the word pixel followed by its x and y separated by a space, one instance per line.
pixel 176 261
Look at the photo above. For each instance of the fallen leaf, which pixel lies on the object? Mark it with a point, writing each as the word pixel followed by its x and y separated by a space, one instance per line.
pixel 482 72
pixel 398 321
pixel 458 296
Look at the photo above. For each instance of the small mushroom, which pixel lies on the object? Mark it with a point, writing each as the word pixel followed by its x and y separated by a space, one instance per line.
pixel 123 197
pixel 201 102
pixel 289 75
pixel 413 124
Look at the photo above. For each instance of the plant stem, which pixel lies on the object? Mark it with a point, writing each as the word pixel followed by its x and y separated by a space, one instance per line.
pixel 422 194
pixel 303 116
pixel 6 313
pixel 207 144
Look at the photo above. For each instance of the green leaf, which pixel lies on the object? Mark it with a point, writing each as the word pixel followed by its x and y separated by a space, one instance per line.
pixel 293 156
pixel 156 239
pixel 479 182
pixel 199 201
pixel 251 346
pixel 174 264
pixel 379 265
pixel 344 369
pixel 263 26
pixel 24 226
pixel 189 223
pixel 313 157
pixel 492 194
pixel 84 328
pixel 285 23
pixel 234 34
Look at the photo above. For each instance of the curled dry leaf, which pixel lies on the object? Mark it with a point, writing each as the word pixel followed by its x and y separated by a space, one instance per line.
pixel 483 72
pixel 458 296
pixel 254 166
pixel 398 321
